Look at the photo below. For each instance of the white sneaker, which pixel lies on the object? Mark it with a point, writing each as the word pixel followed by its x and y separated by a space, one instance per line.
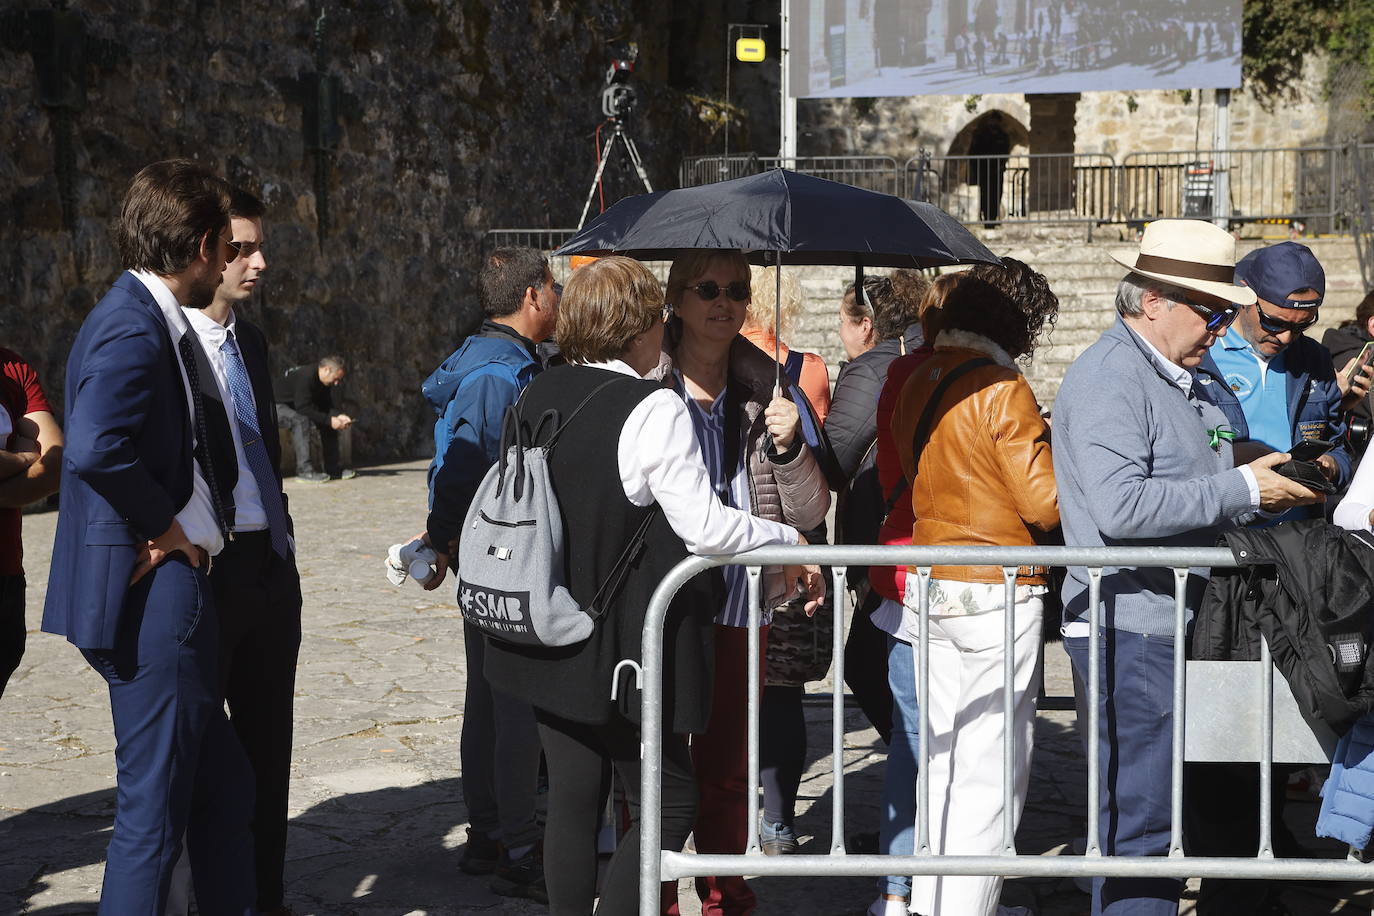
pixel 884 907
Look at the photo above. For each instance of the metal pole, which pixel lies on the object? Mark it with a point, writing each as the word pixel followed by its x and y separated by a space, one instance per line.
pixel 1008 710
pixel 838 602
pixel 725 163
pixel 923 711
pixel 787 141
pixel 1180 685
pixel 751 845
pixel 1221 142
pixel 1094 847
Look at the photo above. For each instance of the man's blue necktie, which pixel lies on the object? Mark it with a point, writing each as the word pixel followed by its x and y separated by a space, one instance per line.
pixel 245 411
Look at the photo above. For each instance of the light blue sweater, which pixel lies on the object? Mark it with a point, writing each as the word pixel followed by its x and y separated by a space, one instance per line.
pixel 1135 467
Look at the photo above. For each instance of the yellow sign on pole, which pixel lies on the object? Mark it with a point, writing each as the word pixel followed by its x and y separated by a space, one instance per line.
pixel 750 50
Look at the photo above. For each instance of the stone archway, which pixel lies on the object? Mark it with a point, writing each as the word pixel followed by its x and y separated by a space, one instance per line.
pixel 983 147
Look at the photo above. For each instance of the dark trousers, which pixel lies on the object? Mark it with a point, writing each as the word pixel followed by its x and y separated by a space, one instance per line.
pixel 576 754
pixel 181 769
pixel 499 748
pixel 782 751
pixel 13 632
pixel 1135 747
pixel 865 666
pixel 258 597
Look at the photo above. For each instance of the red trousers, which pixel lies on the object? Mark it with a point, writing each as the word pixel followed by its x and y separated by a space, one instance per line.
pixel 720 756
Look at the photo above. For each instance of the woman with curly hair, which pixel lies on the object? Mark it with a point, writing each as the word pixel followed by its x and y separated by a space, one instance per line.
pixel 980 473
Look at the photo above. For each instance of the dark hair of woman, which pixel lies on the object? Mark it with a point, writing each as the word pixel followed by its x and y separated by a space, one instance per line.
pixel 1011 305
pixel 892 302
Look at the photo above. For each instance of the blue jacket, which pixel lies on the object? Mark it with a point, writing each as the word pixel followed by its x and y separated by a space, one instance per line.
pixel 1348 796
pixel 470 392
pixel 127 466
pixel 1314 399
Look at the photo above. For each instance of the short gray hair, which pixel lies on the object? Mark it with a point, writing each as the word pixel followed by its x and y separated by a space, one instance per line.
pixel 1131 290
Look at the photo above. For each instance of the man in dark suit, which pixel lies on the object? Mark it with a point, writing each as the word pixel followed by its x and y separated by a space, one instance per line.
pixel 139 521
pixel 256 586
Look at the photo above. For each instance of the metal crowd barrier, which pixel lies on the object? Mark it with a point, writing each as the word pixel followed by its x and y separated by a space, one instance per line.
pixel 1294 184
pixel 657 865
pixel 1021 188
pixel 542 239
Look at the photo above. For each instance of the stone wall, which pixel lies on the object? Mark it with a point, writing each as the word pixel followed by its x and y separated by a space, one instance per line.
pixel 441 119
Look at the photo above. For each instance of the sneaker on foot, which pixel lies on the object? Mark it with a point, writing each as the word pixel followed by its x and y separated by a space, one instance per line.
pixel 885 907
pixel 347 474
pixel 522 878
pixel 777 839
pixel 313 476
pixel 480 855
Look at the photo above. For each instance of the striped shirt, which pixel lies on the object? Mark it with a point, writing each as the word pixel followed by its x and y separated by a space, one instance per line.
pixel 710 429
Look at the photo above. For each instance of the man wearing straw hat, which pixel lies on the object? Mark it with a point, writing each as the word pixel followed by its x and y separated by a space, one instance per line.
pixel 1143 459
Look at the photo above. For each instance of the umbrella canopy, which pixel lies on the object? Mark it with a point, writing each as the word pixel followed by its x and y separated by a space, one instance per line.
pixel 780 215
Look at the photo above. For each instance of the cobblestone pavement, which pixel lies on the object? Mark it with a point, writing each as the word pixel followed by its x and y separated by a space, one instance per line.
pixel 377 814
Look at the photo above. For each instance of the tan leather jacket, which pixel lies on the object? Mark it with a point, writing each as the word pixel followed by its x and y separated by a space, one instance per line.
pixel 986 477
pixel 795 492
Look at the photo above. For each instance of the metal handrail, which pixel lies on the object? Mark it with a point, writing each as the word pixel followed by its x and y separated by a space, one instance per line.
pixel 657 865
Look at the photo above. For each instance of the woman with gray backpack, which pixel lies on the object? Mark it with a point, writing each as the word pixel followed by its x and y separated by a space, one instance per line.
pixel 635 500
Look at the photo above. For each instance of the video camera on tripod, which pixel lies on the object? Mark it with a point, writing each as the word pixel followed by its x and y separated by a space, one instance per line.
pixel 618 98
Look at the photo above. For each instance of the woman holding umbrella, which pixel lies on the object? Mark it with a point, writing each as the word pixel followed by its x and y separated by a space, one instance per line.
pixel 751 441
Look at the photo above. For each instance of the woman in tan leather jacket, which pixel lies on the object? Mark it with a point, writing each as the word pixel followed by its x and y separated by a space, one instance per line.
pixel 985 478
pixel 752 444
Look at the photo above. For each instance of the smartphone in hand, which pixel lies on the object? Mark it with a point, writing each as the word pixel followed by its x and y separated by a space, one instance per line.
pixel 1365 357
pixel 1311 449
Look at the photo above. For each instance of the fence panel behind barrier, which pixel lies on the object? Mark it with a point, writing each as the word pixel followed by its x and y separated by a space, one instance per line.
pixel 543 239
pixel 656 865
pixel 1019 188
pixel 699 170
pixel 1289 185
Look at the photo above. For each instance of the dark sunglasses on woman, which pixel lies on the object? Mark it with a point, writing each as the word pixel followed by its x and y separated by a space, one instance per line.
pixel 708 290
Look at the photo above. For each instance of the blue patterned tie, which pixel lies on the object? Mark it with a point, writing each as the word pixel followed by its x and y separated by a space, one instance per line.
pixel 245 410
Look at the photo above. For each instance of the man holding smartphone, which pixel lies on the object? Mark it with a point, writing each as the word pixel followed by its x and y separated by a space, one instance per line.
pixel 1277 386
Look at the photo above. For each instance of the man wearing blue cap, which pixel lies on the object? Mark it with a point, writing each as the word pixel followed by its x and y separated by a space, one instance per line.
pixel 1277 386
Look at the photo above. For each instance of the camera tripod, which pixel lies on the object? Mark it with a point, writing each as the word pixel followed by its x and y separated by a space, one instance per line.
pixel 617 133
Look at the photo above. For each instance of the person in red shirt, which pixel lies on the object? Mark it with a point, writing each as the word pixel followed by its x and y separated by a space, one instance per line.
pixel 30 469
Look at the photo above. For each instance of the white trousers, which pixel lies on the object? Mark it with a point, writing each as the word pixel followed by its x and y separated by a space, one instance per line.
pixel 966 728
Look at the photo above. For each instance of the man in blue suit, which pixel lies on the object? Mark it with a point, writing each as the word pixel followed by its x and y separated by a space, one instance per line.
pixel 140 519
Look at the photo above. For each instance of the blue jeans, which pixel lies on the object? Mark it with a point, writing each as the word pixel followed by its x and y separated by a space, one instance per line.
pixel 1135 748
pixel 896 829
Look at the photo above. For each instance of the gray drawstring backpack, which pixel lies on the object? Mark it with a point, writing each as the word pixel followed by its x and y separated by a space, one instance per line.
pixel 511 583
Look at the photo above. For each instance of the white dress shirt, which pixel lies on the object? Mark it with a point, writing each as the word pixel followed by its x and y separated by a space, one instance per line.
pixel 249 515
pixel 197 517
pixel 659 461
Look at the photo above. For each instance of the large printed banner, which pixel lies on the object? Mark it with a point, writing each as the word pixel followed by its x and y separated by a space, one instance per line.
pixel 857 48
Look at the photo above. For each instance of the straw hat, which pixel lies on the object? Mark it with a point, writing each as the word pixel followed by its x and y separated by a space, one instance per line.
pixel 1191 253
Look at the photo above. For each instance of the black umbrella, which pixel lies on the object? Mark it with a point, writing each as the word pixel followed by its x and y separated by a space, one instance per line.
pixel 783 217
pixel 780 216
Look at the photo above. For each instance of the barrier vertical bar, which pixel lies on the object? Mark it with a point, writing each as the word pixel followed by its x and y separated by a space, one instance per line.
pixel 923 706
pixel 840 599
pixel 651 760
pixel 1266 821
pixel 1094 847
pixel 751 845
pixel 1180 683
pixel 1008 709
